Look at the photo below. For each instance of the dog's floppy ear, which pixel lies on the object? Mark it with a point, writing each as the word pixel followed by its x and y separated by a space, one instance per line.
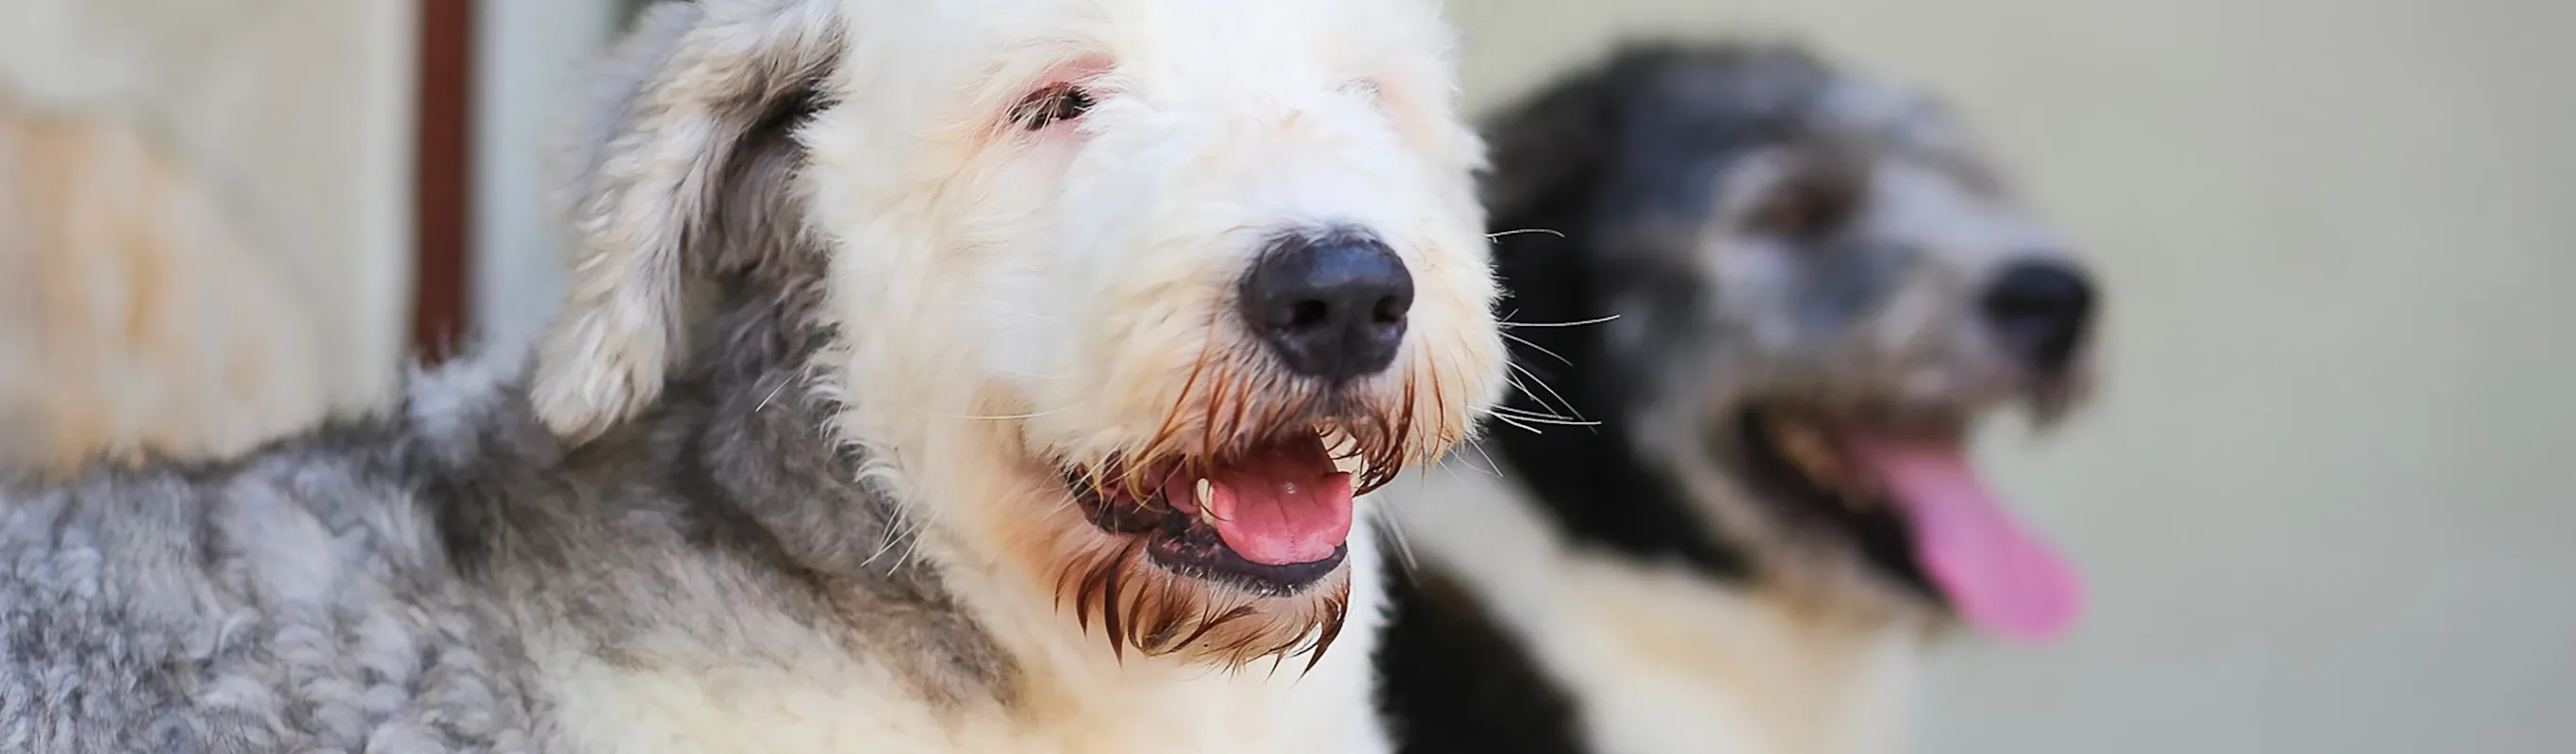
pixel 643 172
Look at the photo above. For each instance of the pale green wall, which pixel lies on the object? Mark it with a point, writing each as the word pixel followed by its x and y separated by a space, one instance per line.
pixel 2326 504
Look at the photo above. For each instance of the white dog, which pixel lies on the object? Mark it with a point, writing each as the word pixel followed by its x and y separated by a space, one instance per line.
pixel 936 376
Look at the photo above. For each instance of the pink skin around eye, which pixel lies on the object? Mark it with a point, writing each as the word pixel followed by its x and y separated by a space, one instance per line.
pixel 1071 73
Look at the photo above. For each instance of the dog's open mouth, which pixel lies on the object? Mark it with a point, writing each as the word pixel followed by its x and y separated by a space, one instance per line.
pixel 1272 518
pixel 1917 508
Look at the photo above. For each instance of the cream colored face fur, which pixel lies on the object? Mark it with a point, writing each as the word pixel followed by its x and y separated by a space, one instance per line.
pixel 1014 301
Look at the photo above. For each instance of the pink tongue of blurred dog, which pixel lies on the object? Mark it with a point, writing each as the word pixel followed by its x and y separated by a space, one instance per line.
pixel 2001 579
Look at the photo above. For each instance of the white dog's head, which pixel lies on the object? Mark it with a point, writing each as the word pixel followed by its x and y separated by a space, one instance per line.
pixel 1130 297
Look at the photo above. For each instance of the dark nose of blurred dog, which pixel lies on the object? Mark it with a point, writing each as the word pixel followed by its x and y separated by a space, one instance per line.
pixel 2041 312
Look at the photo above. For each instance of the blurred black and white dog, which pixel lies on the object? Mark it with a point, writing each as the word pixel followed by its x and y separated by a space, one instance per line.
pixel 938 375
pixel 1785 294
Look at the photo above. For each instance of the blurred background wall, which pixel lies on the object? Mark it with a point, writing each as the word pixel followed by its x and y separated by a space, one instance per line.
pixel 299 111
pixel 528 60
pixel 2323 503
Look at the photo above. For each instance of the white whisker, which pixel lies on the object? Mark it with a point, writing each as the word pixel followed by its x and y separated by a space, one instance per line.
pixel 1516 372
pixel 1533 416
pixel 773 395
pixel 801 375
pixel 1541 349
pixel 1507 323
pixel 1515 424
pixel 1491 466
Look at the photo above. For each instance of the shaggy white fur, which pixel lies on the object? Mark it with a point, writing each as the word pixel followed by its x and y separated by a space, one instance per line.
pixel 1019 298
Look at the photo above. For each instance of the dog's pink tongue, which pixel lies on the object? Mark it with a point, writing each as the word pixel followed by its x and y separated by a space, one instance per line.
pixel 2001 579
pixel 1284 506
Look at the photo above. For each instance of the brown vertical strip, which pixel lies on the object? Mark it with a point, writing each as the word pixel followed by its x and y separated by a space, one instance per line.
pixel 443 178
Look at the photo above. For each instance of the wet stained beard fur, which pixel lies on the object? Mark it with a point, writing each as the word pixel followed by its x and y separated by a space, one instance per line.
pixel 1782 296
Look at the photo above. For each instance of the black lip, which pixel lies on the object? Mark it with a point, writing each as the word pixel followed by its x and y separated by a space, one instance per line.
pixel 1181 544
pixel 1200 554
pixel 1884 539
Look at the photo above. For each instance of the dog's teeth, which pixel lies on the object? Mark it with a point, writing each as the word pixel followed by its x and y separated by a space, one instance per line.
pixel 1806 448
pixel 1206 496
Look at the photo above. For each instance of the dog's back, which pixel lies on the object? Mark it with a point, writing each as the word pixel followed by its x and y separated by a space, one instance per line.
pixel 299 599
pixel 447 575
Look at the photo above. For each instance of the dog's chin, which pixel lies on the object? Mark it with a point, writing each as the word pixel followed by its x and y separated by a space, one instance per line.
pixel 1227 557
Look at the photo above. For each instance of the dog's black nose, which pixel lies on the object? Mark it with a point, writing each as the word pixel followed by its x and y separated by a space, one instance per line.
pixel 2041 311
pixel 1331 307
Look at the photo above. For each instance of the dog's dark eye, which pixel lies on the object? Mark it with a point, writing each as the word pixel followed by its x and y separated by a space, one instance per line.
pixel 1806 208
pixel 1052 105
